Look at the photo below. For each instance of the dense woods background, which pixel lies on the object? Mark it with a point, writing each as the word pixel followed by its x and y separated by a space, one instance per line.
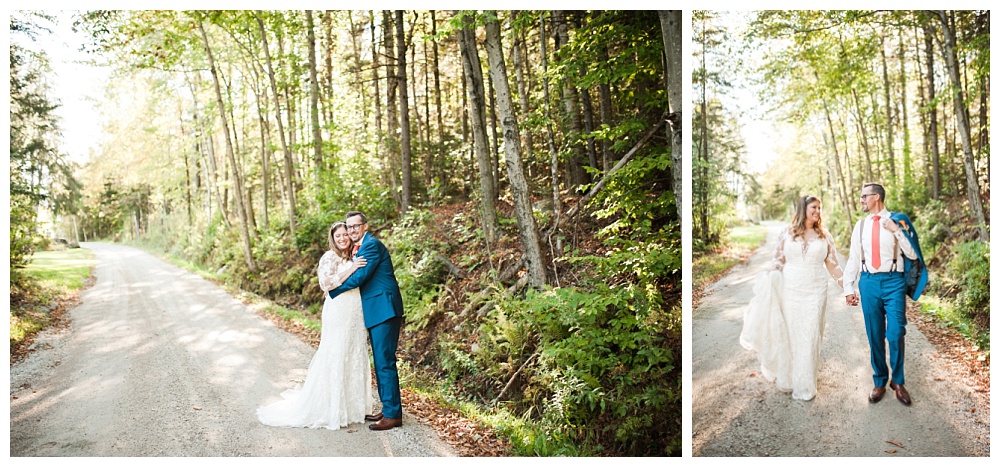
pixel 523 168
pixel 896 97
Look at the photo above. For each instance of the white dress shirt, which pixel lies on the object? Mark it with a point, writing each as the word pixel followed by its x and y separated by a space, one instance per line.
pixel 888 250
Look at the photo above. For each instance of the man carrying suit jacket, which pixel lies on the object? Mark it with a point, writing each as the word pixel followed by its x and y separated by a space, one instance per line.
pixel 878 248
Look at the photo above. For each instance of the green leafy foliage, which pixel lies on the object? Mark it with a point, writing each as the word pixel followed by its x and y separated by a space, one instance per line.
pixel 969 270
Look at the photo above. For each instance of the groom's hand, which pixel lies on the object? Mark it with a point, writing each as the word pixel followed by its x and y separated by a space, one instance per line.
pixel 852 300
pixel 889 224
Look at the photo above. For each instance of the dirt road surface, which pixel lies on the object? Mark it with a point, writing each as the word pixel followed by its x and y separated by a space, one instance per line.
pixel 735 412
pixel 160 362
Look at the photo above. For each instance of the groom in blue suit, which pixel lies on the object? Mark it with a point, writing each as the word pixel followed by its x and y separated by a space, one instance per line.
pixel 382 306
pixel 879 249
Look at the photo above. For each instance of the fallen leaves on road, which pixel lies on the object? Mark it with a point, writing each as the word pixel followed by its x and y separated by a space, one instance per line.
pixel 893 442
pixel 891 451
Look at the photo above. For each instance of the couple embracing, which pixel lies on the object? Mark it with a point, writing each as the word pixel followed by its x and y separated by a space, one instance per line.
pixel 784 321
pixel 363 302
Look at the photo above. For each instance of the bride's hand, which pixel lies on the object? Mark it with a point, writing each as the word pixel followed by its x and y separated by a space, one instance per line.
pixel 360 262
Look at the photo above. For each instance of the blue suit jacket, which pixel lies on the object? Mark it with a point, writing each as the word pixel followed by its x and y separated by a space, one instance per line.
pixel 915 270
pixel 380 296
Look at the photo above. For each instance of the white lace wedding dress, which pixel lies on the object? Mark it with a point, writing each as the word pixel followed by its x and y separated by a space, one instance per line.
pixel 785 319
pixel 337 390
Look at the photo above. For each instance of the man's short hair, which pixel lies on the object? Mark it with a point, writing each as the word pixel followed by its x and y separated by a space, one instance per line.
pixel 878 189
pixel 351 214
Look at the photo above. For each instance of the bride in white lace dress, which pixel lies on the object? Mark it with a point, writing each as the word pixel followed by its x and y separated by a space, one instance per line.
pixel 337 389
pixel 784 321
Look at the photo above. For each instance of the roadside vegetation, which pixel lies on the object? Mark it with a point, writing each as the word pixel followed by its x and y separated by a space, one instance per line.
pixel 43 291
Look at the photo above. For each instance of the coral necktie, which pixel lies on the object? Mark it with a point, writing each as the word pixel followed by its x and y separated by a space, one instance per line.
pixel 876 246
pixel 356 247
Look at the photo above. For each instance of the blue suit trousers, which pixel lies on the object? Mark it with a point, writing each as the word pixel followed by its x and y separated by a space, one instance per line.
pixel 883 302
pixel 385 339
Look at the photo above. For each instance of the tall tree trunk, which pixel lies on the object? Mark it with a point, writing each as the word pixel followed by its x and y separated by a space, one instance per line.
pixel 314 100
pixel 187 172
pixel 553 154
pixel 265 161
pixel 328 78
pixel 905 123
pixel 888 111
pixel 203 131
pixel 437 84
pixel 470 175
pixel 238 188
pixel 522 86
pixel 702 190
pixel 604 91
pixel 357 69
pixel 428 155
pixel 864 134
pixel 515 174
pixel 962 119
pixel 932 114
pixel 495 159
pixel 837 175
pixel 392 87
pixel 378 100
pixel 577 176
pixel 588 124
pixel 477 113
pixel 289 171
pixel 670 25
pixel 404 112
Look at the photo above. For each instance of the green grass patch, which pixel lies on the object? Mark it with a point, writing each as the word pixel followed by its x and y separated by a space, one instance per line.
pixel 50 277
pixel 740 242
pixel 62 270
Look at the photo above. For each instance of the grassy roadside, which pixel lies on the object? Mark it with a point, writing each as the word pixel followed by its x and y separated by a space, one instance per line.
pixel 49 286
pixel 709 266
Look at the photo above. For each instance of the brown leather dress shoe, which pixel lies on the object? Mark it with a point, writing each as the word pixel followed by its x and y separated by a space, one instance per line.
pixel 374 417
pixel 901 393
pixel 386 424
pixel 876 394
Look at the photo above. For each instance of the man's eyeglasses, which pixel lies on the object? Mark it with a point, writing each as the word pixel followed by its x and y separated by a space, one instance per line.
pixel 355 226
pixel 863 196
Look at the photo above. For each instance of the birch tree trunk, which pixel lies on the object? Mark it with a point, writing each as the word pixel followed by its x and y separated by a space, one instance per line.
pixel 670 24
pixel 477 116
pixel 522 86
pixel 515 173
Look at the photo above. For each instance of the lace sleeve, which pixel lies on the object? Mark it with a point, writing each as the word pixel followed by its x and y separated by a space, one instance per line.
pixel 327 272
pixel 832 263
pixel 778 263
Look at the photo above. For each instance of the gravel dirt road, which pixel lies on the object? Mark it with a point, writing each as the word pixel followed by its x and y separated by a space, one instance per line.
pixel 160 362
pixel 735 412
